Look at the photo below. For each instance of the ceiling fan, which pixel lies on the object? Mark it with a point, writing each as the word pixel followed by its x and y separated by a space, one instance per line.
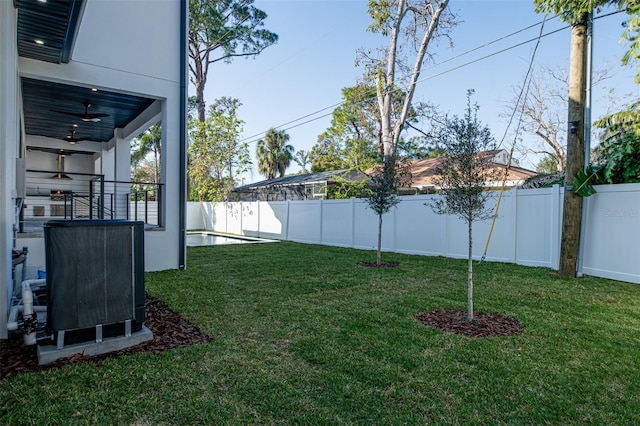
pixel 86 116
pixel 71 138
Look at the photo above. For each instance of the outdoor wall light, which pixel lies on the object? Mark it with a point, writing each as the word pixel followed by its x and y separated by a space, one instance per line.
pixel 573 127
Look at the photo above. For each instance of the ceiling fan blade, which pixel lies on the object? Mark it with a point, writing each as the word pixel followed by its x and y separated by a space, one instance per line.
pixel 85 116
pixel 93 117
pixel 74 114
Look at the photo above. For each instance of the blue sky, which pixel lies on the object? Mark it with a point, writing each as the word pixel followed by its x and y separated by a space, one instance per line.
pixel 315 58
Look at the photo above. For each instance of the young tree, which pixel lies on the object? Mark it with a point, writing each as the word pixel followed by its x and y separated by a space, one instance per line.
pixel 381 196
pixel 220 30
pixel 463 175
pixel 217 157
pixel 274 153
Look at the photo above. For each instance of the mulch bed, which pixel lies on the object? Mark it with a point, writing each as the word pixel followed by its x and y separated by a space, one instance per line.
pixel 379 265
pixel 483 324
pixel 169 329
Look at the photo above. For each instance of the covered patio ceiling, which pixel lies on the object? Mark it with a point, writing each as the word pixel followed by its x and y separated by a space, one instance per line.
pixel 46 32
pixel 56 110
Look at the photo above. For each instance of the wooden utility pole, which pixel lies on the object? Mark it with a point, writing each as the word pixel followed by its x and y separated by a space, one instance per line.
pixel 575 149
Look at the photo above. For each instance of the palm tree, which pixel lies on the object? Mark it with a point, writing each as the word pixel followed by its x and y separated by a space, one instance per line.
pixel 149 142
pixel 274 154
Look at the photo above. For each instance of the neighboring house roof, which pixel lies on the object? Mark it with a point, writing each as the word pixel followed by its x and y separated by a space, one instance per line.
pixel 424 171
pixel 305 179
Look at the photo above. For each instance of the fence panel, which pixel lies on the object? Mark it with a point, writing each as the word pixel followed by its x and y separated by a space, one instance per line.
pixel 305 221
pixel 537 228
pixel 612 233
pixel 337 223
pixel 217 214
pixel 195 216
pixel 274 217
pixel 250 218
pixel 418 229
pixel 365 231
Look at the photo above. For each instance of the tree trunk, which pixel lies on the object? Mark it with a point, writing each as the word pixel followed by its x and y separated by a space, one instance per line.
pixel 575 150
pixel 379 253
pixel 470 274
pixel 200 101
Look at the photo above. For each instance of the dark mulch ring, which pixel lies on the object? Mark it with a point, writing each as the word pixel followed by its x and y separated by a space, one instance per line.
pixel 169 329
pixel 483 325
pixel 379 265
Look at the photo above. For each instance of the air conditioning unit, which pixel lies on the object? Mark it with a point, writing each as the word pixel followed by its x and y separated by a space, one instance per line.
pixel 95 278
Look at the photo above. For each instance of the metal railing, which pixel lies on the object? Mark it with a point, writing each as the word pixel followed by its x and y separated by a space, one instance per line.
pixel 77 196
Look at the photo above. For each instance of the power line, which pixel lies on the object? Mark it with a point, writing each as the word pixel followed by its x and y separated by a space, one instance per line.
pixel 254 138
pixel 251 139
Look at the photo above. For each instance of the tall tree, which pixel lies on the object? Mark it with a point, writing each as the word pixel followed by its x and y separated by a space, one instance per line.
pixel 220 30
pixel 410 25
pixel 301 158
pixel 274 154
pixel 463 175
pixel 354 138
pixel 327 154
pixel 544 111
pixel 217 157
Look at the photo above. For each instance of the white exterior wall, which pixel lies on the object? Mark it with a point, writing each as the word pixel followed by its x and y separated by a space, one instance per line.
pixel 527 231
pixel 9 142
pixel 130 47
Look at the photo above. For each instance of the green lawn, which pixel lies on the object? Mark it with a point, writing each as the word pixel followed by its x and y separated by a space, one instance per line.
pixel 302 335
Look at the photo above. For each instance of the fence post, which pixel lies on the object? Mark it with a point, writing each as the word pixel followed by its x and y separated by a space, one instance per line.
pixel 445 235
pixel 556 225
pixel 286 224
pixel 514 194
pixel 353 222
pixel 321 219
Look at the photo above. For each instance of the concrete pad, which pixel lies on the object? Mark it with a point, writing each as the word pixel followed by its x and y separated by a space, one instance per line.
pixel 49 353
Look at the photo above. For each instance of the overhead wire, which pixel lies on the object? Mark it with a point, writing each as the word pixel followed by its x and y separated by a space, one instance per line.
pixel 256 137
pixel 526 84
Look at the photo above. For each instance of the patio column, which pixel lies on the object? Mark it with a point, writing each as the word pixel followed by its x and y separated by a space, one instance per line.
pixel 122 173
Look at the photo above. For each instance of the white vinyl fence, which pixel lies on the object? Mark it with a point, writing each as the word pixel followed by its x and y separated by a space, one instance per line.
pixel 527 230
